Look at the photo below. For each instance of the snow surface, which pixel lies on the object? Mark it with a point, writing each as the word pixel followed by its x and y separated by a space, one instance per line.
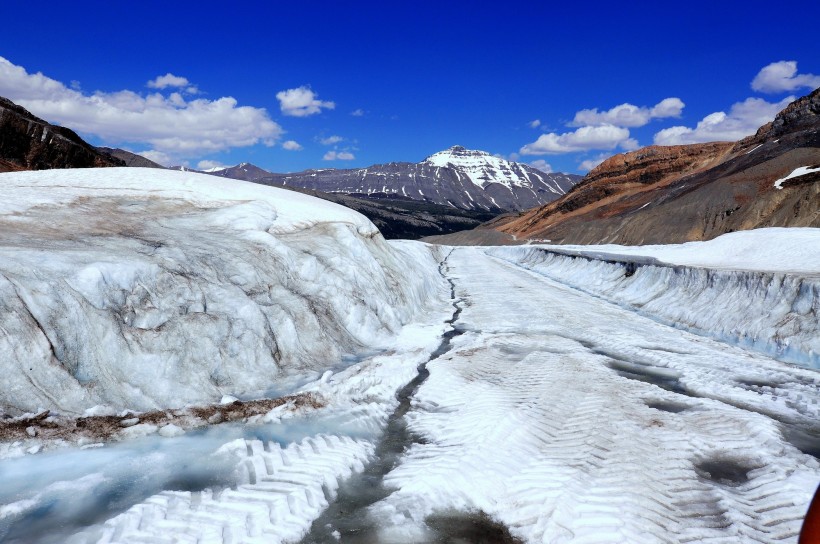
pixel 572 420
pixel 787 250
pixel 801 171
pixel 144 288
pixel 773 306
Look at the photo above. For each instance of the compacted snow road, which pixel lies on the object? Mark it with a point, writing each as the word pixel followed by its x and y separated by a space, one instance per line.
pixel 562 416
pixel 570 419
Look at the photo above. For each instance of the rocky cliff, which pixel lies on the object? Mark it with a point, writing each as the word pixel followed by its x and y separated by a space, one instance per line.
pixel 30 143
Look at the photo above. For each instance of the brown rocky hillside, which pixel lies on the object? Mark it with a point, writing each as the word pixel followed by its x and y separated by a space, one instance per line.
pixel 681 193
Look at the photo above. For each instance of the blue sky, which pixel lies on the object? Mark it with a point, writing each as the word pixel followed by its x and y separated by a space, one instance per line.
pixel 290 86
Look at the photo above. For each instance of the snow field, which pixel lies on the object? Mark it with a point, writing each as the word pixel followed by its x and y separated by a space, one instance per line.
pixel 797 172
pixel 772 312
pixel 569 419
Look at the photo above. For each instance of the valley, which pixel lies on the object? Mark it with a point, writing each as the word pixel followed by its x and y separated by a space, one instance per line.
pixel 365 340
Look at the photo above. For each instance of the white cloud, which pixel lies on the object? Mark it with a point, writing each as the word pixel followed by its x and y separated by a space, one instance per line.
pixel 168 80
pixel 173 126
pixel 629 115
pixel 357 113
pixel 338 155
pixel 535 123
pixel 582 139
pixel 210 165
pixel 330 140
pixel 291 145
pixel 589 164
pixel 301 102
pixel 783 77
pixel 743 119
pixel 542 165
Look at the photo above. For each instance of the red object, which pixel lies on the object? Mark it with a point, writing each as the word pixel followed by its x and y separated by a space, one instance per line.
pixel 810 534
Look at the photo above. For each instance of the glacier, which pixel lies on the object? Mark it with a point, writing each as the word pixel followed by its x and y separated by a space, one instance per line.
pixel 560 393
pixel 759 289
pixel 137 288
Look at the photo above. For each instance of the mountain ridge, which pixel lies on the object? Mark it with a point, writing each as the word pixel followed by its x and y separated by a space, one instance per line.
pixel 30 143
pixel 456 177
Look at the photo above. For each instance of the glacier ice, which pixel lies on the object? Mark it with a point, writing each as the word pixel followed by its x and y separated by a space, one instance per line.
pixel 137 288
pixel 773 309
pixel 571 419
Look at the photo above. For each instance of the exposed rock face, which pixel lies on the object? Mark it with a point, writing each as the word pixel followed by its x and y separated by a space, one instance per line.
pixel 456 177
pixel 635 171
pixel 244 171
pixel 131 159
pixel 30 143
pixel 693 192
pixel 793 122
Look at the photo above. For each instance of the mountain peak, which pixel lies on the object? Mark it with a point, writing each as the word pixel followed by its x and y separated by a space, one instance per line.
pixel 453 155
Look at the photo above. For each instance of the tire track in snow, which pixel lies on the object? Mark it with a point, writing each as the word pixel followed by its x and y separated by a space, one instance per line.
pixel 536 429
pixel 285 488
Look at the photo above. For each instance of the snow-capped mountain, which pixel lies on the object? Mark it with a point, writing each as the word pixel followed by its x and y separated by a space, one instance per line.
pixel 457 177
pixel 484 169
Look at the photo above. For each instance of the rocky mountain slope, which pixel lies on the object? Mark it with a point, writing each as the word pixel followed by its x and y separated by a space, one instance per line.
pixel 131 159
pixel 30 143
pixel 456 177
pixel 244 171
pixel 691 192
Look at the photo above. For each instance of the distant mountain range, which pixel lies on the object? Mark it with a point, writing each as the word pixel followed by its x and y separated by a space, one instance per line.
pixel 681 193
pixel 457 177
pixel 657 194
pixel 30 143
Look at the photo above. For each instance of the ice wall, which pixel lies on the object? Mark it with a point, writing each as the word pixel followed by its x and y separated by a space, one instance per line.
pixel 138 289
pixel 772 312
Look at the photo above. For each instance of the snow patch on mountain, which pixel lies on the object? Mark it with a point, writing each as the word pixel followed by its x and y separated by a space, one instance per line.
pixel 797 172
